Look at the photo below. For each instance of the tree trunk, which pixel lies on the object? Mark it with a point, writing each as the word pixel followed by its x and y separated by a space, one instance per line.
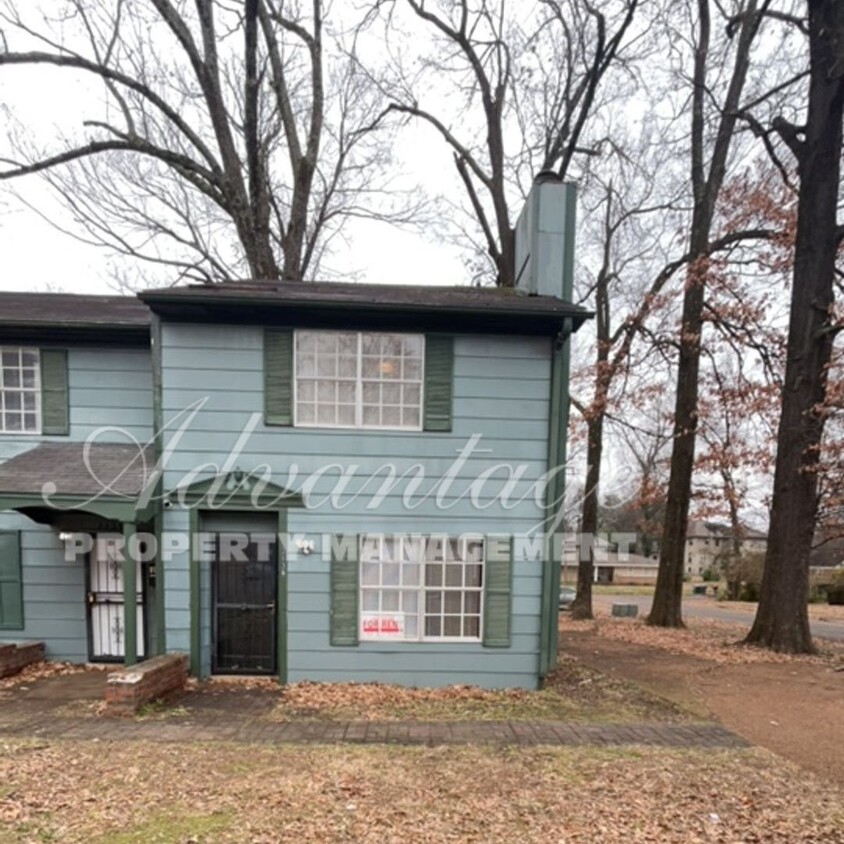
pixel 581 608
pixel 667 608
pixel 782 621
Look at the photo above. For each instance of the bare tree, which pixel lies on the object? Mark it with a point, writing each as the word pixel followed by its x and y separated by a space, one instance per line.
pixel 234 138
pixel 712 137
pixel 782 621
pixel 528 79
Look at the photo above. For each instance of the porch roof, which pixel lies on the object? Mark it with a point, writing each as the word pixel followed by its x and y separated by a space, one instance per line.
pixel 101 478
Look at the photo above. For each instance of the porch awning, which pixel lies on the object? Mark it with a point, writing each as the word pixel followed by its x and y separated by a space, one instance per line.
pixel 56 479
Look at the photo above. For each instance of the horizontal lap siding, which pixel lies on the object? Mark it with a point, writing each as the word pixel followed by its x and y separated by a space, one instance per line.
pixel 501 388
pixel 107 387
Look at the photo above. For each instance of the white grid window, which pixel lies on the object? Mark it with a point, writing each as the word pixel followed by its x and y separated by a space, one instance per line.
pixel 20 390
pixel 417 588
pixel 351 379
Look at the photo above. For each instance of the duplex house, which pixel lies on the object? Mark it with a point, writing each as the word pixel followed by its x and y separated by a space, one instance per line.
pixel 317 481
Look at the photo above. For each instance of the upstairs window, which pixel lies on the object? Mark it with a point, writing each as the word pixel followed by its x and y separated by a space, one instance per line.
pixel 358 379
pixel 20 390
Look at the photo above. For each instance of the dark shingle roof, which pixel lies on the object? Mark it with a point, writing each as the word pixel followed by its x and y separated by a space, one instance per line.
pixel 389 296
pixel 106 470
pixel 479 308
pixel 70 309
pixel 69 317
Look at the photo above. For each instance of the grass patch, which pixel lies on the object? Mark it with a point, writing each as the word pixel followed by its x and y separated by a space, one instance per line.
pixel 172 828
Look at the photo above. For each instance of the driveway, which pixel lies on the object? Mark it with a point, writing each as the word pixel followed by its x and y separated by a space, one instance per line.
pixel 700 607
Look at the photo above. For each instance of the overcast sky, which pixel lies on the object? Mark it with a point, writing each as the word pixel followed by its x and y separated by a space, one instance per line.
pixel 37 256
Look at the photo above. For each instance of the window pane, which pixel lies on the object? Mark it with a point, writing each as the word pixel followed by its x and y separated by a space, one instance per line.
pixel 306 414
pixel 11 378
pixel 13 401
pixel 472 574
pixel 412 370
pixel 410 394
pixel 347 345
pixel 391 416
pixel 370 573
pixel 326 343
pixel 390 600
pixel 410 574
pixel 346 392
pixel 391 394
pixel 326 366
pixel 472 603
pixel 391 574
pixel 433 574
pixel 412 345
pixel 452 625
pixel 306 390
pixel 433 603
pixel 29 379
pixel 411 626
pixel 453 602
pixel 346 415
pixel 370 600
pixel 410 602
pixel 326 415
pixel 371 416
pixel 13 422
pixel 11 357
pixel 30 422
pixel 472 627
pixel 433 626
pixel 410 418
pixel 305 364
pixel 454 575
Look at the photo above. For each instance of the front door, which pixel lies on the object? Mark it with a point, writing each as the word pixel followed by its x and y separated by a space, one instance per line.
pixel 105 606
pixel 244 590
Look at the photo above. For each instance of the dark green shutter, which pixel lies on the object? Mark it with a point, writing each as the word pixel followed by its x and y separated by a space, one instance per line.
pixel 498 592
pixel 11 588
pixel 55 418
pixel 344 590
pixel 439 374
pixel 278 376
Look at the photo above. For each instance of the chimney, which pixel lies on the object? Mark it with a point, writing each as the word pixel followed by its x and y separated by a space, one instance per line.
pixel 545 238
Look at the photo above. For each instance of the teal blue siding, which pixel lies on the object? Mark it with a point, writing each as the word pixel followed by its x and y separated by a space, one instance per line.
pixel 107 387
pixel 501 389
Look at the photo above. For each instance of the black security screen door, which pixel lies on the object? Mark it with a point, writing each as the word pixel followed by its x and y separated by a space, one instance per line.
pixel 244 584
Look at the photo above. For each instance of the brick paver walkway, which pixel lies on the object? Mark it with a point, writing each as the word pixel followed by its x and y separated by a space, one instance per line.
pixel 62 708
pixel 523 733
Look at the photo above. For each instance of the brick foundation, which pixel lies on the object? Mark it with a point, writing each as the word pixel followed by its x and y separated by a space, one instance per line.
pixel 15 656
pixel 159 678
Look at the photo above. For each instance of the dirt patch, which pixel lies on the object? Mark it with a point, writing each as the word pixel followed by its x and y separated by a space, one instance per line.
pixel 123 793
pixel 790 706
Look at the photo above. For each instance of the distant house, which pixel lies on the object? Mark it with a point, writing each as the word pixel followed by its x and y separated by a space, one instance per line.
pixel 708 542
pixel 225 418
pixel 627 569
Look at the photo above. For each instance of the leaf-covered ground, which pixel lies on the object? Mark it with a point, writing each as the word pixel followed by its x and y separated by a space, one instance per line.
pixel 573 693
pixel 708 639
pixel 136 793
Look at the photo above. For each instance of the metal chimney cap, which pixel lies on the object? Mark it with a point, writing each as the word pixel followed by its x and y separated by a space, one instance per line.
pixel 547 176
